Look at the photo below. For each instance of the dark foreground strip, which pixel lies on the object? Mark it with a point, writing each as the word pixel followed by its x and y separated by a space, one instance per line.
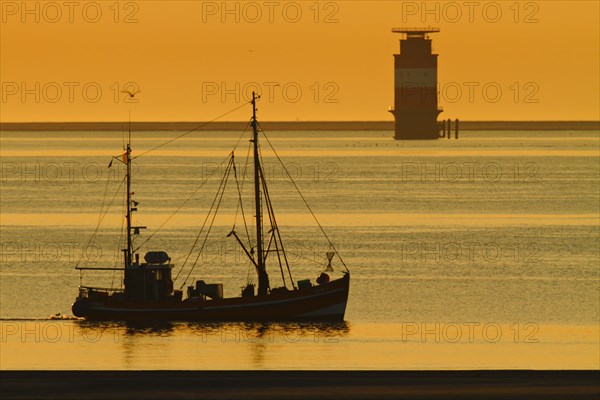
pixel 299 384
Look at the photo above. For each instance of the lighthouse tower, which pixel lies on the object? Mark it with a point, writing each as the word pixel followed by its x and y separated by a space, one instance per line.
pixel 415 90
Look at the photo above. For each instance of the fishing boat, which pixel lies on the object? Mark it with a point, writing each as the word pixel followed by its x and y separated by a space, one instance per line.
pixel 148 293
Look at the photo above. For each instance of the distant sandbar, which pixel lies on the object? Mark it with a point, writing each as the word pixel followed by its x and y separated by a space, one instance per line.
pixel 291 126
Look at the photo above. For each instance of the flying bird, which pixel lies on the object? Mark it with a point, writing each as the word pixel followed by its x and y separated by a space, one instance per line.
pixel 130 93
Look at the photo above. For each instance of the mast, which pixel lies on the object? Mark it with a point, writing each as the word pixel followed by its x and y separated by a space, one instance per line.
pixel 263 278
pixel 128 184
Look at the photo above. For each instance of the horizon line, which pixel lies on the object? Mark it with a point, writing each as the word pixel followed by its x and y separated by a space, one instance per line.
pixel 341 125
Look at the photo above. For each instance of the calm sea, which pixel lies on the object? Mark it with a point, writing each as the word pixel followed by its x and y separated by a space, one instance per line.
pixel 481 252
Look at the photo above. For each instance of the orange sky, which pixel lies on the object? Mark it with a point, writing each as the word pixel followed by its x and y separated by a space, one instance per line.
pixel 312 60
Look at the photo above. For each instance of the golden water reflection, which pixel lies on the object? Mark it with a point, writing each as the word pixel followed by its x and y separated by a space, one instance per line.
pixel 411 345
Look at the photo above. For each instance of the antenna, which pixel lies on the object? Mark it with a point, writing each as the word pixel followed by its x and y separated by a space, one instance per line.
pixel 131 96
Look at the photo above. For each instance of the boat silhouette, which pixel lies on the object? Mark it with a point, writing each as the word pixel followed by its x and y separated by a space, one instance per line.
pixel 148 292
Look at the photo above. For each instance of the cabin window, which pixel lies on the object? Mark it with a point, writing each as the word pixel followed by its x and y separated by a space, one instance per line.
pixel 159 275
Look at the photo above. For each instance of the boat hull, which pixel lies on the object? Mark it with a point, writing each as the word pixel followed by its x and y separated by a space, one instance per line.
pixel 318 303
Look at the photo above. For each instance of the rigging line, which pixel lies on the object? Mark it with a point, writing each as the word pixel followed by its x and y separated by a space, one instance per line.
pixel 235 172
pixel 280 264
pixel 104 197
pixel 287 264
pixel 311 260
pixel 274 224
pixel 277 234
pixel 118 243
pixel 302 248
pixel 249 269
pixel 103 200
pixel 209 243
pixel 245 170
pixel 270 212
pixel 225 179
pixel 268 248
pixel 100 222
pixel 203 224
pixel 190 196
pixel 201 229
pixel 242 135
pixel 240 205
pixel 183 204
pixel 274 228
pixel 99 214
pixel 240 191
pixel 190 131
pixel 304 200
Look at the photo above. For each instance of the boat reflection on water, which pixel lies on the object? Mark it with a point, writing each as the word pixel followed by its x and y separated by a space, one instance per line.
pixel 226 331
pixel 290 332
pixel 238 345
